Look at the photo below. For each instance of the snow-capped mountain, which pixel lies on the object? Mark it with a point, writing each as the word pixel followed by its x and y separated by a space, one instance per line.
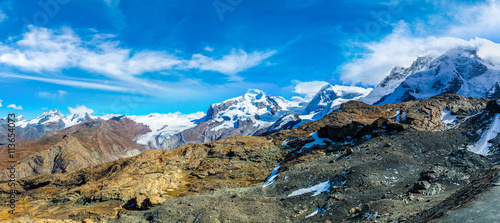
pixel 253 113
pixel 52 116
pixel 47 122
pixel 459 71
pixel 397 75
pixel 77 118
pixel 494 92
pixel 255 106
pixel 324 102
pixel 330 97
pixel 244 115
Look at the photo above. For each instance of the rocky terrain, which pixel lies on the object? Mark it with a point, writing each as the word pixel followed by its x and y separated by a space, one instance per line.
pixel 390 163
pixel 83 145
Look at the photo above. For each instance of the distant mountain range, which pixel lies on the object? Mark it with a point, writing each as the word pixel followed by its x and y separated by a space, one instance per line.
pixel 85 144
pixel 459 71
pixel 254 113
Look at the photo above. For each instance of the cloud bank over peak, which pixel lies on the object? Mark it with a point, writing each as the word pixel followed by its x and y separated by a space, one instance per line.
pixel 82 109
pixel 469 27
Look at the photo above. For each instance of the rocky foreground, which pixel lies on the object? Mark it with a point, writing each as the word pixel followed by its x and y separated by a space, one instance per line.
pixel 392 163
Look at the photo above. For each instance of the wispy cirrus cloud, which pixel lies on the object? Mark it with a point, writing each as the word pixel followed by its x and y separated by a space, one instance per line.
pixel 86 84
pixel 47 50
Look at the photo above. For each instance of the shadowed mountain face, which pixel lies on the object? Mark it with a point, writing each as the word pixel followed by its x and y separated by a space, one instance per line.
pixel 83 145
pixel 401 161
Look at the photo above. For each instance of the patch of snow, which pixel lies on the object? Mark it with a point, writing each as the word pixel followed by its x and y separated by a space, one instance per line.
pixel 447 118
pixel 285 143
pixel 397 116
pixel 314 213
pixel 482 146
pixel 317 189
pixel 272 177
pixel 317 141
pixel 22 122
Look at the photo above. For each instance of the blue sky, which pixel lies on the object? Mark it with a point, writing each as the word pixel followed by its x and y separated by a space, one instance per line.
pixel 133 57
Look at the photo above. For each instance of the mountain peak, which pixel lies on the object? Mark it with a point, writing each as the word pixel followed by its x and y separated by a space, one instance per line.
pixel 254 94
pixel 458 71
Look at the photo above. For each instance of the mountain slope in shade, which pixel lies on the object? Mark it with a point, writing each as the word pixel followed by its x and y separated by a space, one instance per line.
pixel 494 92
pixel 89 143
pixel 459 71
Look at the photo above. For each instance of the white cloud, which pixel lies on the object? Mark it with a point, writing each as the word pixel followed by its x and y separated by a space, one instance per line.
pixel 480 20
pixel 3 16
pixel 1 103
pixel 80 110
pixel 209 49
pixel 47 50
pixel 44 108
pixel 13 106
pixel 86 84
pixel 235 62
pixel 47 95
pixel 309 89
pixel 402 46
pixel 397 49
pixel 61 93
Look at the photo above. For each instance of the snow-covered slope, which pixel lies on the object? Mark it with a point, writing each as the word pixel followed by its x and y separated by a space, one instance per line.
pixel 249 114
pixel 330 97
pixel 164 125
pixel 324 102
pixel 397 75
pixel 52 116
pixel 76 118
pixel 255 106
pixel 459 71
pixel 494 92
